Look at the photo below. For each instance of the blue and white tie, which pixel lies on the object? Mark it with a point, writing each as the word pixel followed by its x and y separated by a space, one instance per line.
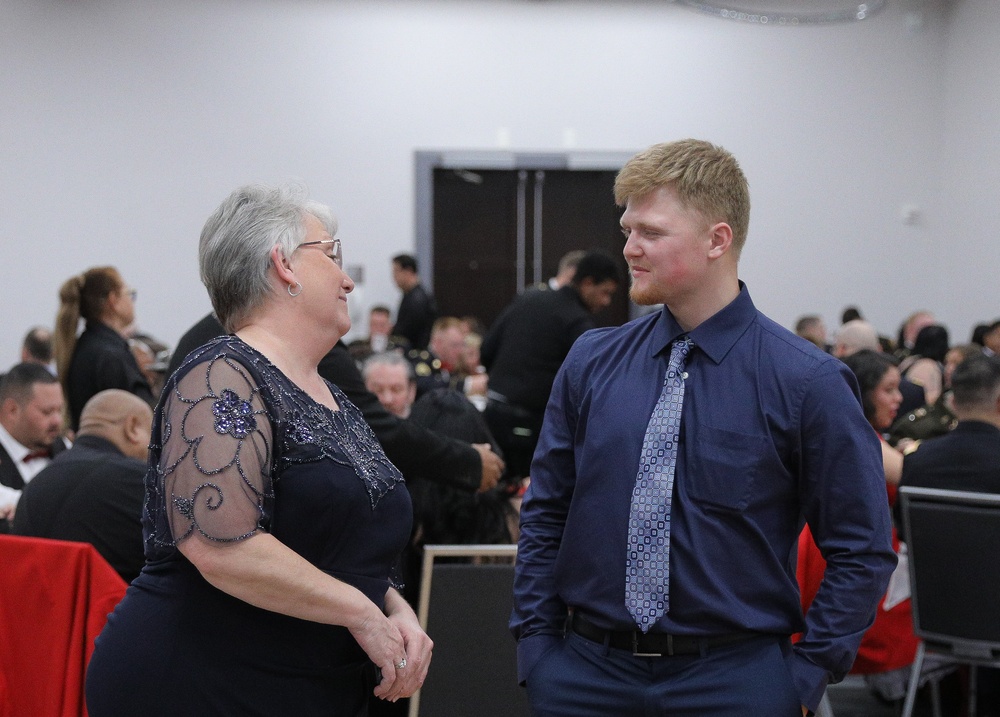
pixel 647 575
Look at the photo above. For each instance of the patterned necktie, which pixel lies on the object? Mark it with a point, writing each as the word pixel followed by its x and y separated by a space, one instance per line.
pixel 648 570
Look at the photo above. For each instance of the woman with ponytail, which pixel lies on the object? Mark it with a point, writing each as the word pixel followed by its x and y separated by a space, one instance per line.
pixel 100 357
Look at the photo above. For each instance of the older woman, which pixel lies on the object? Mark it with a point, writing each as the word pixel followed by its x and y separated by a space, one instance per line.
pixel 100 358
pixel 273 518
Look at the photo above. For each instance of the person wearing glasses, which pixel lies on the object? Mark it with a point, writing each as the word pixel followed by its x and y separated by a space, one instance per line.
pixel 273 520
pixel 100 358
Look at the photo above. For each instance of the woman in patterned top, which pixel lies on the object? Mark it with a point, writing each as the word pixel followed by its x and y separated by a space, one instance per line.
pixel 273 520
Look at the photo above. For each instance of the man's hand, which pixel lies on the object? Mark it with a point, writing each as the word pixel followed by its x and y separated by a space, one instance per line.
pixel 7 511
pixel 493 466
pixel 476 384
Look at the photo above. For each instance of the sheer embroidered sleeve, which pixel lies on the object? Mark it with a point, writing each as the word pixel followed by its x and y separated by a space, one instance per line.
pixel 214 468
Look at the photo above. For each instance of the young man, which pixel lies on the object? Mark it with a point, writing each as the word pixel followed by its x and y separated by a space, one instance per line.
pixel 679 457
pixel 526 346
pixel 417 308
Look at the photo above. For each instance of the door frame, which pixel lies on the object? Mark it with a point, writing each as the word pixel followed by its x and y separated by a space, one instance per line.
pixel 426 161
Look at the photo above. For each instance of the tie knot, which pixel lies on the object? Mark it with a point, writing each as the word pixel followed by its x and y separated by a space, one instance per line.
pixel 680 350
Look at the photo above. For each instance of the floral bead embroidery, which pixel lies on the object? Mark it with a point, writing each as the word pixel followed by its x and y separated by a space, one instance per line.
pixel 233 415
pixel 299 431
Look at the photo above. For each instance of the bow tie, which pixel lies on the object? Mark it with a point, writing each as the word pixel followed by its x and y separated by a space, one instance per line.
pixel 46 453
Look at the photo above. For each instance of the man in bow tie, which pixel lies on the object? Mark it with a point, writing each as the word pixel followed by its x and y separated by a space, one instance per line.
pixel 31 424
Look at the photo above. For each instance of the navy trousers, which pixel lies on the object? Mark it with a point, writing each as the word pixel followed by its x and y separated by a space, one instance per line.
pixel 581 678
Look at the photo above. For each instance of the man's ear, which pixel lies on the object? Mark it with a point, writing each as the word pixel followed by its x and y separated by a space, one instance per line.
pixel 131 428
pixel 722 240
pixel 9 408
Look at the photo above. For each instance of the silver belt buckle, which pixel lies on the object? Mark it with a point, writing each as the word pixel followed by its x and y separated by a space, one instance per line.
pixel 635 647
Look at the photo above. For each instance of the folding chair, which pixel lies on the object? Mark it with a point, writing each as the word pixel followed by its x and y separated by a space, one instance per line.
pixel 953 539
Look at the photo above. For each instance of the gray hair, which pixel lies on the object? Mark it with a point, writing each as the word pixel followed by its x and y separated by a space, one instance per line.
pixel 388 358
pixel 236 242
pixel 855 336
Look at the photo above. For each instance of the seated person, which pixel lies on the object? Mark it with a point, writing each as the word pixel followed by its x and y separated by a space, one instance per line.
pixel 391 377
pixel 93 493
pixel 447 515
pixel 31 424
pixel 443 515
pixel 37 347
pixel 379 338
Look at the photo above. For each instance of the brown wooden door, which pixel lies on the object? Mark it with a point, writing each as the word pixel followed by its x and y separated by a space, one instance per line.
pixel 497 231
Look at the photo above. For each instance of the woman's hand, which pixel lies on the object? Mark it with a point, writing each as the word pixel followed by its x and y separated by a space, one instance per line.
pixel 383 643
pixel 418 650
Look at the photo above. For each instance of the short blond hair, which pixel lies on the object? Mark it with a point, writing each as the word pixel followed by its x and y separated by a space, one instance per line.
pixel 705 177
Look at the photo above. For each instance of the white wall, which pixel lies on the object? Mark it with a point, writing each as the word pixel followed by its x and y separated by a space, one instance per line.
pixel 969 248
pixel 123 123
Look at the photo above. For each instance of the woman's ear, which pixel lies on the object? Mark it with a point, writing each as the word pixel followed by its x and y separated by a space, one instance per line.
pixel 282 265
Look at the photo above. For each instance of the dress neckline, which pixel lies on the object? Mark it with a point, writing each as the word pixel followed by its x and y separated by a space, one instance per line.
pixel 336 393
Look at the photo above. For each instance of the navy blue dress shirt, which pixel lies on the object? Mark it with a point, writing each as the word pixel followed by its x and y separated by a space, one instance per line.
pixel 772 436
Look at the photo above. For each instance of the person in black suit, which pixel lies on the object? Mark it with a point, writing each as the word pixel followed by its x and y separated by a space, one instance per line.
pixel 93 493
pixel 417 309
pixel 31 413
pixel 967 458
pixel 416 451
pixel 100 357
pixel 525 347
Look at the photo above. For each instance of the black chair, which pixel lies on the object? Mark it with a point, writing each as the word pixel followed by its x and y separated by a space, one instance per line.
pixel 465 607
pixel 953 540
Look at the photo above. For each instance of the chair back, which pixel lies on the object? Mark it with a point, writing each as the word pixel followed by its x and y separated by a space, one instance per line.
pixel 465 608
pixel 953 540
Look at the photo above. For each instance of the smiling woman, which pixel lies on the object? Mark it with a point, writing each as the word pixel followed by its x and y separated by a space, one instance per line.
pixel 273 518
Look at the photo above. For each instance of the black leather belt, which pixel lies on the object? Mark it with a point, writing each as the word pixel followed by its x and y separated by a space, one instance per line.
pixel 654 644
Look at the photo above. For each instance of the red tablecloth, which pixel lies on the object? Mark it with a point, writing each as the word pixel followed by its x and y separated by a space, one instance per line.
pixel 55 597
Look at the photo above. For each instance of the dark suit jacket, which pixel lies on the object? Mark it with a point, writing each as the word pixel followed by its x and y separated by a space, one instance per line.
pixel 415 317
pixel 201 333
pixel 528 343
pixel 10 476
pixel 89 494
pixel 416 451
pixel 967 458
pixel 101 360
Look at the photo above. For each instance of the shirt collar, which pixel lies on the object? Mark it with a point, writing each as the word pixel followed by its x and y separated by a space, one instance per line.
pixel 99 443
pixel 14 449
pixel 716 335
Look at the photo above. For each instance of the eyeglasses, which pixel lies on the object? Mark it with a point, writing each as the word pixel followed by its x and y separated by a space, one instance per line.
pixel 336 256
pixel 131 293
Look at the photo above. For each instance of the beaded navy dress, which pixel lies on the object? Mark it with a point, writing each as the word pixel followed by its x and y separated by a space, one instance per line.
pixel 236 449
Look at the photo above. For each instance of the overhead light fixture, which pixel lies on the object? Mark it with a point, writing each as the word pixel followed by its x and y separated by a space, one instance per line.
pixel 788 12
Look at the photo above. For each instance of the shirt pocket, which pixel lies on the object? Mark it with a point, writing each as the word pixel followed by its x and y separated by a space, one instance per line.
pixel 722 466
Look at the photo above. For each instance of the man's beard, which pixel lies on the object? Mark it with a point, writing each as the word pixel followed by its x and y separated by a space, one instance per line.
pixel 644 297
